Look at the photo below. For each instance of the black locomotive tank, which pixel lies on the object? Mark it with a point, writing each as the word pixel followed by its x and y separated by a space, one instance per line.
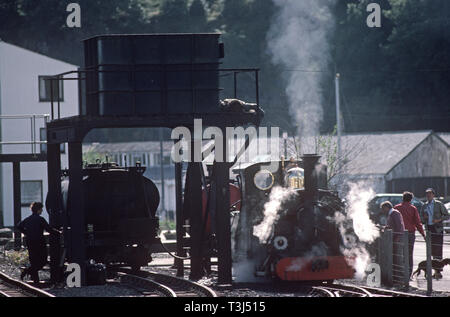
pixel 119 206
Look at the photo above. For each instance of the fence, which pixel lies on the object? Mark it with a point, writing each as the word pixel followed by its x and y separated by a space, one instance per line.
pixel 393 256
pixel 394 251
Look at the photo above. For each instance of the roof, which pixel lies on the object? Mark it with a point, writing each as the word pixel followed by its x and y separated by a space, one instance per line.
pixel 445 137
pixel 378 153
pixel 28 51
pixel 128 147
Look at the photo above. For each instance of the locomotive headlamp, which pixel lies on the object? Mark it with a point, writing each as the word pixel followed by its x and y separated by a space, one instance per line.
pixel 263 180
pixel 295 178
pixel 280 243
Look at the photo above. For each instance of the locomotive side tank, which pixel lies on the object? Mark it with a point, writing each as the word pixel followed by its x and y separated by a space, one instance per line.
pixel 120 208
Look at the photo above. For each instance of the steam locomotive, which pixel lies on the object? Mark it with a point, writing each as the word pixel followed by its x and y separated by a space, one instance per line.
pixel 120 214
pixel 303 242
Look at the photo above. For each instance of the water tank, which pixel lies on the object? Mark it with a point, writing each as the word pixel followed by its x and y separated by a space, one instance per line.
pixel 151 74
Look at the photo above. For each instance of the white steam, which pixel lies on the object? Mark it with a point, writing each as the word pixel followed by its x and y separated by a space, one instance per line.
pixel 357 200
pixel 298 41
pixel 263 230
pixel 357 218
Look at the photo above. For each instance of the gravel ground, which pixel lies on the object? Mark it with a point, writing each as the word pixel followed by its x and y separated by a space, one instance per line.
pixel 10 263
pixel 111 289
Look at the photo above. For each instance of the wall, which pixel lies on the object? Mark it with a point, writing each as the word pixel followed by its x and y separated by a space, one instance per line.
pixel 427 166
pixel 430 159
pixel 19 71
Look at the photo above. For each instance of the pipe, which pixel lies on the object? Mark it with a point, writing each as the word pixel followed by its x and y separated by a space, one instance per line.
pixel 311 178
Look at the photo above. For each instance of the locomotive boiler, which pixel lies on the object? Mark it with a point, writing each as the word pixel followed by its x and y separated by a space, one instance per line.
pixel 287 226
pixel 120 207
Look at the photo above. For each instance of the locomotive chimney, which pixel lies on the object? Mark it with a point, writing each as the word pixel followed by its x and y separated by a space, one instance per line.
pixel 311 178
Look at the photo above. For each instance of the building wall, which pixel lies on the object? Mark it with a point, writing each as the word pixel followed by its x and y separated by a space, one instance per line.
pixel 430 159
pixel 427 166
pixel 19 94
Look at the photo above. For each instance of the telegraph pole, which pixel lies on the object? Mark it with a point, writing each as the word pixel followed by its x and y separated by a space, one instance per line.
pixel 339 123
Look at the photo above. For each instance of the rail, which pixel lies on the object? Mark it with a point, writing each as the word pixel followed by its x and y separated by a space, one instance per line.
pixel 179 286
pixel 10 287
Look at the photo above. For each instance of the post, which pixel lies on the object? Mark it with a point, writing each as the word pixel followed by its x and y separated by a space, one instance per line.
pixel 179 263
pixel 429 264
pixel 386 259
pixel 54 206
pixel 194 197
pixel 223 225
pixel 161 155
pixel 405 245
pixel 76 208
pixel 338 121
pixel 17 204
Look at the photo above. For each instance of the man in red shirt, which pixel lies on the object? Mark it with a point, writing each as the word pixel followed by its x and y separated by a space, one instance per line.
pixel 412 222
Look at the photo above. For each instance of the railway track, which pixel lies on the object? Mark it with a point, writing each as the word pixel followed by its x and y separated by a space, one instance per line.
pixel 341 290
pixel 155 285
pixel 10 287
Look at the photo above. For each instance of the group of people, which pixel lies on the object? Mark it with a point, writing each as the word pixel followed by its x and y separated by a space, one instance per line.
pixel 405 216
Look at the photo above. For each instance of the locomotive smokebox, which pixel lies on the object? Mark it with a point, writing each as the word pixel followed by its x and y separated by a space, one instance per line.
pixel 310 163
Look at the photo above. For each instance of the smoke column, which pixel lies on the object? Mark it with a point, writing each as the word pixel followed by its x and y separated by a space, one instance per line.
pixel 298 39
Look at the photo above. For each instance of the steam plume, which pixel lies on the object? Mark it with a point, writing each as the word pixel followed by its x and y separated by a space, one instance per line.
pixel 357 218
pixel 297 40
pixel 263 230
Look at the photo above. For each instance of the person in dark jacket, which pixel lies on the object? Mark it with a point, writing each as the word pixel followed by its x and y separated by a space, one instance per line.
pixel 33 228
pixel 433 214
pixel 396 224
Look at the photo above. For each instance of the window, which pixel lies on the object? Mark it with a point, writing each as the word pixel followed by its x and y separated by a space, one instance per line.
pixel 30 191
pixel 43 137
pixel 45 90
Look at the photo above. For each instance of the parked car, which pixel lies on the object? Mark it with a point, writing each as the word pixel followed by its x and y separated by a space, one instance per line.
pixel 447 222
pixel 374 206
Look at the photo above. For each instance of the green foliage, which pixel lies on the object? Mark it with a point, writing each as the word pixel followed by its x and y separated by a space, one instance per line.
pixel 17 258
pixel 393 77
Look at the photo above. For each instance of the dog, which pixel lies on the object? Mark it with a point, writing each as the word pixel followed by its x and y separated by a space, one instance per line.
pixel 435 264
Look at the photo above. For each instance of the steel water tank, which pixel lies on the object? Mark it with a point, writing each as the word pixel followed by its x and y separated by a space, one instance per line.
pixel 152 74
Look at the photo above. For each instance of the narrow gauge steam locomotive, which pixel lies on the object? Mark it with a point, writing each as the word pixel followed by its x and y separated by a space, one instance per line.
pixel 304 242
pixel 120 207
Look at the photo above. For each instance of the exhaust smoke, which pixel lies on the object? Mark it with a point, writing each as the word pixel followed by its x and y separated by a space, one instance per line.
pixel 297 40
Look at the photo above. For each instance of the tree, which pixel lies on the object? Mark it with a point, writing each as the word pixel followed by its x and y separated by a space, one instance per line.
pixel 197 17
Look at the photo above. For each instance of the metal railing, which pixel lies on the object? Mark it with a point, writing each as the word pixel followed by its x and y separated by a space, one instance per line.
pixel 394 258
pixel 34 139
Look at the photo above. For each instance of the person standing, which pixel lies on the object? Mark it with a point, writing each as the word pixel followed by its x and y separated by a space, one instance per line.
pixel 433 214
pixel 394 222
pixel 412 221
pixel 33 228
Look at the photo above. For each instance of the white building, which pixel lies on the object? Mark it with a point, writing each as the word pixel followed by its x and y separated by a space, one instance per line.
pixel 24 92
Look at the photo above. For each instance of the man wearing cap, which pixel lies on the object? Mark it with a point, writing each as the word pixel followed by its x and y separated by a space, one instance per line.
pixel 433 214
